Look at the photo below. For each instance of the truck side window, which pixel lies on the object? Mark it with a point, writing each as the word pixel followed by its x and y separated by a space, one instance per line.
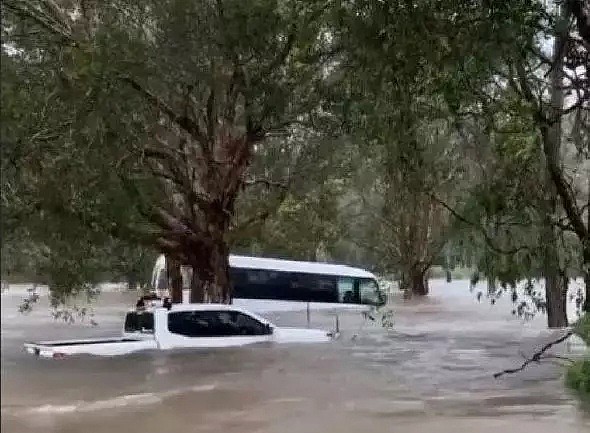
pixel 214 324
pixel 139 322
pixel 242 324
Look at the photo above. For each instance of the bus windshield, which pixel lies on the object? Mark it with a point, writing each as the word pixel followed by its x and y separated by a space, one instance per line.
pixel 370 293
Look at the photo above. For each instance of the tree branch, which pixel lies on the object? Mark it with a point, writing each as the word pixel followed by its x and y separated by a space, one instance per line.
pixel 579 105
pixel 526 89
pixel 537 356
pixel 54 24
pixel 173 225
pixel 184 122
pixel 269 183
pixel 259 218
pixel 582 19
pixel 488 239
pixel 562 187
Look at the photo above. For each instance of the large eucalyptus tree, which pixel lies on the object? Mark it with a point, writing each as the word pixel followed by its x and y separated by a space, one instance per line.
pixel 150 113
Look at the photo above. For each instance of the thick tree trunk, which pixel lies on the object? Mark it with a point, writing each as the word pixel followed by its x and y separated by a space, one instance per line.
pixel 196 227
pixel 556 298
pixel 132 281
pixel 586 268
pixel 197 292
pixel 211 282
pixel 555 282
pixel 586 303
pixel 174 280
pixel 414 283
pixel 555 294
pixel 420 285
pixel 209 260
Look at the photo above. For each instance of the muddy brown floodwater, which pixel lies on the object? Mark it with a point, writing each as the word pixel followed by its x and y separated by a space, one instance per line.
pixel 431 373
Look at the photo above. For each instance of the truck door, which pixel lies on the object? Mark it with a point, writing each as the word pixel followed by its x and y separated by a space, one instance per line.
pixel 214 328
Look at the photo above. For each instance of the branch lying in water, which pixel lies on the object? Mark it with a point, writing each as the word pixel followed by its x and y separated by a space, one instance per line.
pixel 537 356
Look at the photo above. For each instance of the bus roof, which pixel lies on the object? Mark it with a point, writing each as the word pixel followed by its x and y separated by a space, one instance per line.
pixel 245 262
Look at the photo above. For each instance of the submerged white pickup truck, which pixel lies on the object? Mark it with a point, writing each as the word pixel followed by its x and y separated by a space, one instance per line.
pixel 182 326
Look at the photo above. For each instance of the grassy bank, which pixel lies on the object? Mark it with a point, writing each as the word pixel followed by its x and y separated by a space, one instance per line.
pixel 578 374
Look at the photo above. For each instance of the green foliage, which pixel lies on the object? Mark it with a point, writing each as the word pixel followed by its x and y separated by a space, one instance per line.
pixel 297 213
pixel 582 328
pixel 578 377
pixel 83 108
pixel 398 101
pixel 373 122
pixel 578 374
pixel 303 226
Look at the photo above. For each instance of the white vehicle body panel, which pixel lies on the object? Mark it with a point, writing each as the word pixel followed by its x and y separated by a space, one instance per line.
pixel 49 349
pixel 273 306
pixel 299 335
pixel 162 339
pixel 247 262
pixel 261 304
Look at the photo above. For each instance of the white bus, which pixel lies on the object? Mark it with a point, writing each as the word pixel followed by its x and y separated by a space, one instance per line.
pixel 288 280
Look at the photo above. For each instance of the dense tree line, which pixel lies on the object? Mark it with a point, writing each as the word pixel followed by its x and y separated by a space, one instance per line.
pixel 394 135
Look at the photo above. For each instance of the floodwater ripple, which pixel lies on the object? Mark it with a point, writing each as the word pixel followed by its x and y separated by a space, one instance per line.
pixel 431 372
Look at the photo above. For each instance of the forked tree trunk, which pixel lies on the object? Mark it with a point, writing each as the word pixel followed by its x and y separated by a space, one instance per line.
pixel 203 196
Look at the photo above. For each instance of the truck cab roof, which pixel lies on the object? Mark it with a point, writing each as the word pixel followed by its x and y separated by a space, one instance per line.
pixel 197 307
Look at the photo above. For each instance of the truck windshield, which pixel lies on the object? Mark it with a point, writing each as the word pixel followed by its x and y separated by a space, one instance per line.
pixel 139 322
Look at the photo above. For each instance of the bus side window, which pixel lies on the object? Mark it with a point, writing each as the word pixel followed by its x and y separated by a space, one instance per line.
pixel 326 289
pixel 346 291
pixel 239 279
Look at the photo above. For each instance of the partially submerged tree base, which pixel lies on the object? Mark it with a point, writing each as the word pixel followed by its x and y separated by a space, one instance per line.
pixel 174 280
pixel 556 301
pixel 414 284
